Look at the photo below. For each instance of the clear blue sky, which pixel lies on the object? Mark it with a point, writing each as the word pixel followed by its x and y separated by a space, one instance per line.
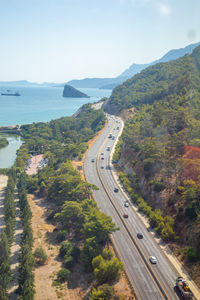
pixel 59 40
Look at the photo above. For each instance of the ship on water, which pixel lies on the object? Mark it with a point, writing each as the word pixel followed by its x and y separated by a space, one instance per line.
pixel 10 93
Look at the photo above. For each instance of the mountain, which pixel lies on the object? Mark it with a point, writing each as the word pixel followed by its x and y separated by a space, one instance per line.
pixel 28 83
pixel 158 82
pixel 71 92
pixel 110 83
pixel 159 151
pixel 171 55
pixel 91 82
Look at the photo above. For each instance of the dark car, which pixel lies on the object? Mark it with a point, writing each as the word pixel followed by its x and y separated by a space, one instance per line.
pixel 102 158
pixel 140 236
pixel 115 161
pixel 108 168
pixel 116 190
pixel 125 216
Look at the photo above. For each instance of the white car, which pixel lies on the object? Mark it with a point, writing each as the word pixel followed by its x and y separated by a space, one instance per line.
pixel 126 204
pixel 153 259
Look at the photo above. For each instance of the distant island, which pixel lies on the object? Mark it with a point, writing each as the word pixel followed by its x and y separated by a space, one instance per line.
pixel 71 92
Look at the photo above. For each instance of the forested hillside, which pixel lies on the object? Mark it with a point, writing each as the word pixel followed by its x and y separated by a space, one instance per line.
pixel 161 82
pixel 159 151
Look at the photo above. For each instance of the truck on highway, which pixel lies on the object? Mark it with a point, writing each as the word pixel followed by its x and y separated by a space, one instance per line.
pixel 183 287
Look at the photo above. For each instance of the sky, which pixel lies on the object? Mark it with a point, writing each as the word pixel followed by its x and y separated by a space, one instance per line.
pixel 60 40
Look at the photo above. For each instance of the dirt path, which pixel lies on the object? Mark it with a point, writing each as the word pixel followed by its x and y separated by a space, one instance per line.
pixel 44 275
pixel 3 184
pixel 15 248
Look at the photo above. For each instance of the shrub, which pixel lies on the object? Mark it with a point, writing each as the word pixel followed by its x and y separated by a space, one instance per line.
pixel 144 207
pixel 40 256
pixel 63 275
pixel 61 235
pixel 106 270
pixel 159 186
pixel 104 292
pixel 148 164
pixel 191 253
pixel 69 253
pixel 155 218
pixel 167 233
pixel 51 215
pixel 190 213
pixel 107 254
pixel 66 248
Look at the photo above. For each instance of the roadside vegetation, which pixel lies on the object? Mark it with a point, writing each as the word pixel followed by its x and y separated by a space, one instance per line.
pixel 82 230
pixel 6 238
pixel 26 261
pixel 159 151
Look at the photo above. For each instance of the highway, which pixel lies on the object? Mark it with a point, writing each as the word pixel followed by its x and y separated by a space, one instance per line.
pixel 150 281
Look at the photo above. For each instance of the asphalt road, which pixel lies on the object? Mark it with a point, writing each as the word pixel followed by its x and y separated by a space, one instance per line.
pixel 150 282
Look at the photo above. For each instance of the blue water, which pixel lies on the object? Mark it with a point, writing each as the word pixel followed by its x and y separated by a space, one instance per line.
pixel 37 104
pixel 8 153
pixel 42 104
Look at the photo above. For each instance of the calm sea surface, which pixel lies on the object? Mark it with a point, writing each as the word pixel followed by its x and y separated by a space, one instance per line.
pixel 42 104
pixel 8 154
pixel 37 104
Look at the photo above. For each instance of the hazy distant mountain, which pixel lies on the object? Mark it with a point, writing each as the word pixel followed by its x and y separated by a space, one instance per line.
pixel 92 82
pixel 171 55
pixel 28 83
pixel 110 83
pixel 71 92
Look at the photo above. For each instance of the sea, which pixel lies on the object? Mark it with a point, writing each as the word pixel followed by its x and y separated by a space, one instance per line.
pixel 37 104
pixel 42 104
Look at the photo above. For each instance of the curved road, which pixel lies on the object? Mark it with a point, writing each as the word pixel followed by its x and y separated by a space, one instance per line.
pixel 150 282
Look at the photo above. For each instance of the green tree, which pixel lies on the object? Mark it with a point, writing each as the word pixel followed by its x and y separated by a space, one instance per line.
pixel 103 292
pixel 63 275
pixel 99 225
pixel 106 270
pixel 5 270
pixel 40 256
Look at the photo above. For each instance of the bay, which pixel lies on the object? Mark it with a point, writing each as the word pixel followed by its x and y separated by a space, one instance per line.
pixel 37 104
pixel 42 104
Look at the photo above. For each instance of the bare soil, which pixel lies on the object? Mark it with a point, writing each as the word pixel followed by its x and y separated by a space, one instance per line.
pixel 45 275
pixel 15 249
pixel 3 184
pixel 35 160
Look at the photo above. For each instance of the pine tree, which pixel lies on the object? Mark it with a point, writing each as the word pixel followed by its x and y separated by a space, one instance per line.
pixel 5 270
